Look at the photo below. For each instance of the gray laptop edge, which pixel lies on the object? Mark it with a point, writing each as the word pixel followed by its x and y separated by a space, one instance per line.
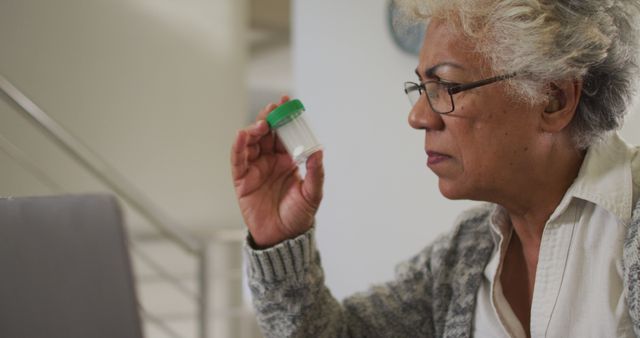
pixel 65 270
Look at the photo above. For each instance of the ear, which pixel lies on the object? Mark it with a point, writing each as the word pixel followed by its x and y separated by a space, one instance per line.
pixel 562 102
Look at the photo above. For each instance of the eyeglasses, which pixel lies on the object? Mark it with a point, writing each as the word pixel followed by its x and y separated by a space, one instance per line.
pixel 440 93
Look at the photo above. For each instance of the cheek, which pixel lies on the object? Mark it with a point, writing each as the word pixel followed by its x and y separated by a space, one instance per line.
pixel 473 136
pixel 494 152
pixel 482 143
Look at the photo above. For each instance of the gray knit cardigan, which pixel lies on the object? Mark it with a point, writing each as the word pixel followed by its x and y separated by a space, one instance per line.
pixel 433 294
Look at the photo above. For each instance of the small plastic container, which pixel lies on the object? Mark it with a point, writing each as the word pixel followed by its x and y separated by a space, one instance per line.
pixel 290 125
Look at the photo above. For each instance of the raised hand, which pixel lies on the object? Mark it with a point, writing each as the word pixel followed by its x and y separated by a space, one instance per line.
pixel 276 203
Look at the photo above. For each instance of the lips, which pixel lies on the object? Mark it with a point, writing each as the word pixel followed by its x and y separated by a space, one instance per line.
pixel 436 157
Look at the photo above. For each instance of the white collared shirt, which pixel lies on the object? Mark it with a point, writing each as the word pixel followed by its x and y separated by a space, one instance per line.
pixel 578 288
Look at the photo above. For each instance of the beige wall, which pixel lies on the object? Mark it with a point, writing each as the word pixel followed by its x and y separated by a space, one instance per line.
pixel 156 87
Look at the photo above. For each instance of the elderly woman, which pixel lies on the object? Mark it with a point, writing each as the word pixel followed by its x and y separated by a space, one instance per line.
pixel 519 101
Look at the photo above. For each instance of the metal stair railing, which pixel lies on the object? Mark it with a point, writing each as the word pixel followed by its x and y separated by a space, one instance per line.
pixel 29 165
pixel 124 189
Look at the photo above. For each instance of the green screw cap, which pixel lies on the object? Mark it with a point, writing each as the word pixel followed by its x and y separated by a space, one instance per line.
pixel 285 113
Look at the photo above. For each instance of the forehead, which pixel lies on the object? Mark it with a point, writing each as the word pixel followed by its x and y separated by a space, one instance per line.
pixel 444 44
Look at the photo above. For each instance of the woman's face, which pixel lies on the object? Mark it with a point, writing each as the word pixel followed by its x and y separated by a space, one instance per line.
pixel 487 144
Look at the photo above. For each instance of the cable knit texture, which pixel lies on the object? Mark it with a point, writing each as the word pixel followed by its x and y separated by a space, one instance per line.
pixel 631 269
pixel 433 294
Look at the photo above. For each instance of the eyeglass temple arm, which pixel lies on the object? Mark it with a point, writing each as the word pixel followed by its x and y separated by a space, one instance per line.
pixel 466 86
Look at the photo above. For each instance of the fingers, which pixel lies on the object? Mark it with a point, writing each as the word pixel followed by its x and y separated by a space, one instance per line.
pixel 257 131
pixel 262 115
pixel 267 143
pixel 270 107
pixel 253 152
pixel 238 162
pixel 279 146
pixel 314 180
pixel 284 98
pixel 246 147
pixel 253 141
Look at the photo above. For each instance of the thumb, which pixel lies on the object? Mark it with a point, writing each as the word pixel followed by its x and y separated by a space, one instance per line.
pixel 314 180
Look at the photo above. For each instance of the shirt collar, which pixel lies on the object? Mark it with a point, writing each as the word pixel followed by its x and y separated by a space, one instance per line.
pixel 604 178
pixel 499 223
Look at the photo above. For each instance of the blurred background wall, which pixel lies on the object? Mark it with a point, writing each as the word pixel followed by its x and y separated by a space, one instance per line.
pixel 382 203
pixel 158 89
pixel 155 88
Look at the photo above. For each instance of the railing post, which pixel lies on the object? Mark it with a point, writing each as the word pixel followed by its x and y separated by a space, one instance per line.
pixel 204 300
pixel 221 280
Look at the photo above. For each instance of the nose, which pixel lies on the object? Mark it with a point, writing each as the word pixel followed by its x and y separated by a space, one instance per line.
pixel 423 117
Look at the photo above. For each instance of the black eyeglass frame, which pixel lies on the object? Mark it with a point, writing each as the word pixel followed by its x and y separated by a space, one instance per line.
pixel 454 88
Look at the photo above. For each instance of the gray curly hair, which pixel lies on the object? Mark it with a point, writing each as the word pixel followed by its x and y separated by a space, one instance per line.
pixel 543 41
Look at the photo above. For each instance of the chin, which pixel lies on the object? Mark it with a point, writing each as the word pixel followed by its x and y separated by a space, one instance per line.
pixel 449 189
pixel 453 190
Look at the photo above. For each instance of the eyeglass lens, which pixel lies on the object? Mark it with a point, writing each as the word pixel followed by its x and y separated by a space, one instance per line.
pixel 437 94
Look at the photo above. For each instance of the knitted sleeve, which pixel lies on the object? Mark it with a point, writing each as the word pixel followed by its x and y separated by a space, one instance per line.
pixel 291 299
pixel 631 268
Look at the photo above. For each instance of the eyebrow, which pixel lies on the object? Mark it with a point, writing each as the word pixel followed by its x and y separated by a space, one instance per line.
pixel 431 72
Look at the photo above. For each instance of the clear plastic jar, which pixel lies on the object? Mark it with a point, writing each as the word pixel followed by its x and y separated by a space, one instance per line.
pixel 290 125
